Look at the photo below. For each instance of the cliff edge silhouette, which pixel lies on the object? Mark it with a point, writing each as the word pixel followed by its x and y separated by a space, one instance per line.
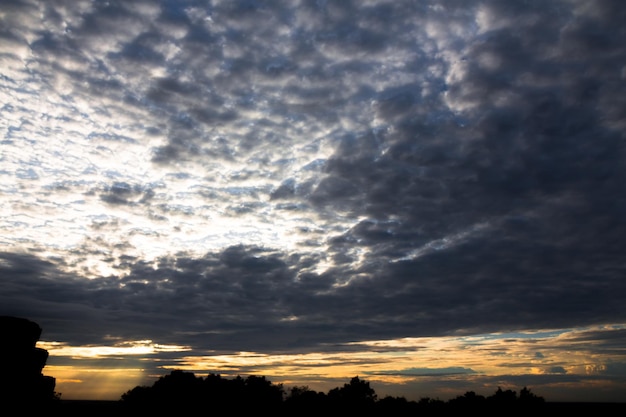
pixel 22 383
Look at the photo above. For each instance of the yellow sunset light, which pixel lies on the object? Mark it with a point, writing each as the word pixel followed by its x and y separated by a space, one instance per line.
pixel 140 347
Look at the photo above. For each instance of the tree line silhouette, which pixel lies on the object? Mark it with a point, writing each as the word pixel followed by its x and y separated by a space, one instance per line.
pixel 181 391
pixel 24 389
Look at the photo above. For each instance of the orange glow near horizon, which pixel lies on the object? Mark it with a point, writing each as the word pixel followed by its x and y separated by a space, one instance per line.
pixel 78 383
pixel 399 361
pixel 385 363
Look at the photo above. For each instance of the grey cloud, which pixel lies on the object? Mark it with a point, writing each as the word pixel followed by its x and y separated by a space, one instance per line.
pixel 203 104
pixel 337 190
pixel 614 369
pixel 609 340
pixel 285 190
pixel 25 265
pixel 483 171
pixel 556 370
pixel 252 289
pixel 106 18
pixel 32 287
pixel 165 153
pixel 536 148
pixel 240 295
pixel 142 50
pixel 124 193
pixel 238 257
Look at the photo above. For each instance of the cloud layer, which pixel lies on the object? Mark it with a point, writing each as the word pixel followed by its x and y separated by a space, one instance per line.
pixel 283 176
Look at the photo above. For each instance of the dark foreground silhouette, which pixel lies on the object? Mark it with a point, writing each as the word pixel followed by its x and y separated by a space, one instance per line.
pixel 24 390
pixel 22 383
pixel 183 391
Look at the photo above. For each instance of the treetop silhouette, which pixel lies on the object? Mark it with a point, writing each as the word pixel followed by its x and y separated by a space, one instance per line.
pixel 181 390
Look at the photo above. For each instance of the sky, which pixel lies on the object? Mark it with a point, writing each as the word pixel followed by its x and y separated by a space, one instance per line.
pixel 424 194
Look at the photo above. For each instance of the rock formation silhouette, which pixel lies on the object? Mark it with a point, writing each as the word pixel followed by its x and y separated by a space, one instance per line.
pixel 22 383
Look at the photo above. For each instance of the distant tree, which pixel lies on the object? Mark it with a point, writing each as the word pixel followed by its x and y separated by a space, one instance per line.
pixel 431 406
pixel 178 387
pixel 396 406
pixel 527 397
pixel 470 400
pixel 303 398
pixel 263 393
pixel 180 392
pixel 175 392
pixel 507 400
pixel 503 397
pixel 218 390
pixel 357 395
pixel 528 401
pixel 137 395
pixel 298 392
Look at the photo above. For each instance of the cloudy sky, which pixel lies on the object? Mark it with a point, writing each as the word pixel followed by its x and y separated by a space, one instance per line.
pixel 426 194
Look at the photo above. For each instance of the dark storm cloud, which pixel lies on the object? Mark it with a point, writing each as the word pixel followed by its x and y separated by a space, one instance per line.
pixel 237 298
pixel 533 154
pixel 32 287
pixel 485 168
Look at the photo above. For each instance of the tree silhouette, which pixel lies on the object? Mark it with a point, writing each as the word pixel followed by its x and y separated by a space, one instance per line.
pixel 503 398
pixel 396 406
pixel 356 396
pixel 181 392
pixel 528 398
pixel 469 401
pixel 303 398
pixel 178 390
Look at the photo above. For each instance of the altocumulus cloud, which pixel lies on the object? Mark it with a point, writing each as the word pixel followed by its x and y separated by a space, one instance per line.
pixel 240 175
